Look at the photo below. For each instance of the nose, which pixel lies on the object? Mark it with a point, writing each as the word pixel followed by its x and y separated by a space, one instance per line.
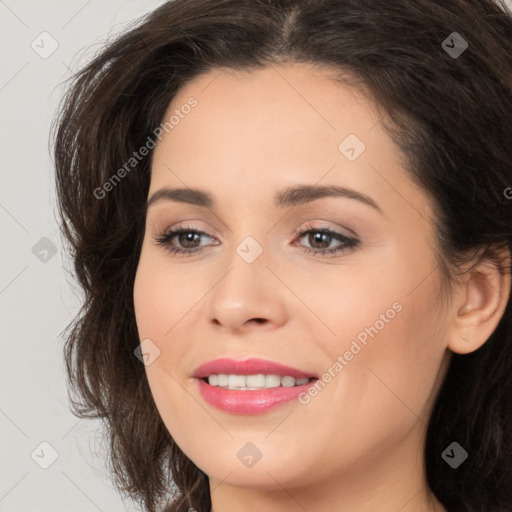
pixel 248 296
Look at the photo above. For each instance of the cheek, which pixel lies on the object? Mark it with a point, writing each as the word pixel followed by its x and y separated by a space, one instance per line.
pixel 164 299
pixel 409 359
pixel 164 295
pixel 386 335
pixel 393 344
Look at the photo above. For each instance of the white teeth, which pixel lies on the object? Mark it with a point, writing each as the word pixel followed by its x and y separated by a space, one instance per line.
pixel 236 381
pixel 287 382
pixel 272 381
pixel 222 380
pixel 258 381
pixel 255 381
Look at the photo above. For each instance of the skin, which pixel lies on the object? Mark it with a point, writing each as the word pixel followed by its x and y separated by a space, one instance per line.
pixel 357 445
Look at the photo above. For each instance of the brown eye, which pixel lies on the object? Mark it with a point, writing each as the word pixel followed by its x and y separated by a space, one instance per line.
pixel 188 240
pixel 321 238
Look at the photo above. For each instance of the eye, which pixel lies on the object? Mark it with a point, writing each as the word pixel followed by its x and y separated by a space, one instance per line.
pixel 187 236
pixel 320 240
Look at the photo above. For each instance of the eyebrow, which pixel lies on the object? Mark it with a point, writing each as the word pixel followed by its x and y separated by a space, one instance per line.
pixel 289 197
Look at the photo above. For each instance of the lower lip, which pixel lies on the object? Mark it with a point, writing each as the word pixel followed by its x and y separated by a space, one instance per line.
pixel 238 401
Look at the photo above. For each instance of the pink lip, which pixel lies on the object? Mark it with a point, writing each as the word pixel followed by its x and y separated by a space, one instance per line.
pixel 249 402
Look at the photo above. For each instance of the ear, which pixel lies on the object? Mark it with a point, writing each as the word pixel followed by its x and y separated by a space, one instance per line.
pixel 481 299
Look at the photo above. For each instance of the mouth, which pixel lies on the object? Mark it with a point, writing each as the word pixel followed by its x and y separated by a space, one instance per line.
pixel 252 386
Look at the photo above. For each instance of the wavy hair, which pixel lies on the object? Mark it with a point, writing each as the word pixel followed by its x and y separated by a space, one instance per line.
pixel 451 118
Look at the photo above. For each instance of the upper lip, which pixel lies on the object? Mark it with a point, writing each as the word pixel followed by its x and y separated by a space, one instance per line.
pixel 252 366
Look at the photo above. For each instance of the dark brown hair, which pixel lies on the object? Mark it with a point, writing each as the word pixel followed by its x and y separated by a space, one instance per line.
pixel 450 115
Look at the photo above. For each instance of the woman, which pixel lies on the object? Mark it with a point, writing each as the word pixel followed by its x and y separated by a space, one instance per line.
pixel 292 223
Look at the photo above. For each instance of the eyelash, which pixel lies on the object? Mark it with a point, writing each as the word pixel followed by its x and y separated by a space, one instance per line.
pixel 348 242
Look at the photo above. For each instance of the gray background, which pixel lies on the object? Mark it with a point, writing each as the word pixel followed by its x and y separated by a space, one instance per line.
pixel 38 297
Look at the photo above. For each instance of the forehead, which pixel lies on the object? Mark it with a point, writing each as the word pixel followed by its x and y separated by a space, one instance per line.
pixel 250 132
pixel 282 106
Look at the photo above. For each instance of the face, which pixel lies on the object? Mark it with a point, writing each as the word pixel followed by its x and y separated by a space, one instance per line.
pixel 341 287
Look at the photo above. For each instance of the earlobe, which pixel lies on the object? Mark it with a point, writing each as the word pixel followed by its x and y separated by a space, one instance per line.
pixel 484 296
